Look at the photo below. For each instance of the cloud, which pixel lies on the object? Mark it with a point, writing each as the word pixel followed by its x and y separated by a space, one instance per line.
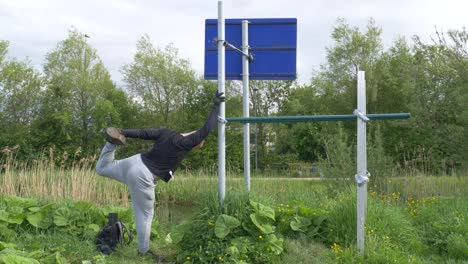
pixel 35 27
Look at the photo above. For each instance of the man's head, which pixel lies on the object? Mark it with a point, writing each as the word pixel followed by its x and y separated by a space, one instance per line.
pixel 197 146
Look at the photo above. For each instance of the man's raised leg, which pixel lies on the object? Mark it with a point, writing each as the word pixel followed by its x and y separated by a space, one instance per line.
pixel 107 166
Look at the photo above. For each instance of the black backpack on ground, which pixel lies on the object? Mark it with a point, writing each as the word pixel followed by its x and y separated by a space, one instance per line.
pixel 112 234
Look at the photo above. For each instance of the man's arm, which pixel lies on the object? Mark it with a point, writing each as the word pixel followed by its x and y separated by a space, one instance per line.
pixel 150 133
pixel 196 138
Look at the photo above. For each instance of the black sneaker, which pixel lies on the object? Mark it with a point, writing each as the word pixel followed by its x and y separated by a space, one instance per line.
pixel 151 254
pixel 114 136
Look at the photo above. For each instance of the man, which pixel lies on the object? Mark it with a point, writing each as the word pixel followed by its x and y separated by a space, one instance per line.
pixel 141 172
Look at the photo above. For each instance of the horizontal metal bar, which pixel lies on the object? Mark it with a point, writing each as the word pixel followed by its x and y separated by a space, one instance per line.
pixel 255 21
pixel 254 74
pixel 256 48
pixel 229 45
pixel 317 118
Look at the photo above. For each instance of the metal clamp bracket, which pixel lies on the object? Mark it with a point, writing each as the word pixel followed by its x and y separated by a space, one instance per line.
pixel 222 120
pixel 229 45
pixel 360 179
pixel 361 115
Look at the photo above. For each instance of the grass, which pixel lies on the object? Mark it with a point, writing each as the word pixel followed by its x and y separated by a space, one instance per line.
pixel 426 230
pixel 411 219
pixel 48 178
pixel 420 186
pixel 302 250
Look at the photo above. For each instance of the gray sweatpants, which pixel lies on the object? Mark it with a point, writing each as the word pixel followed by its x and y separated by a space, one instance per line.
pixel 134 173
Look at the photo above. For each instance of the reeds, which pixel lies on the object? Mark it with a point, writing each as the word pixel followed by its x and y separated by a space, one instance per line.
pixel 56 178
pixel 61 177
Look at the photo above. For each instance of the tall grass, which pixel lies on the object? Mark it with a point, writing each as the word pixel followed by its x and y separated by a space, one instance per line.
pixel 50 178
pixel 420 186
pixel 63 177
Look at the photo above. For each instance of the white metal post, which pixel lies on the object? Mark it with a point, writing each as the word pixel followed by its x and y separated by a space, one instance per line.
pixel 361 176
pixel 221 124
pixel 246 101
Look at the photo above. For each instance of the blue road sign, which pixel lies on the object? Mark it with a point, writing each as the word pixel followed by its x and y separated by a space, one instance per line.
pixel 272 41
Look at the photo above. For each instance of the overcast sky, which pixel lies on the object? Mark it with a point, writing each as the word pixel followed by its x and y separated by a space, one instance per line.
pixel 34 27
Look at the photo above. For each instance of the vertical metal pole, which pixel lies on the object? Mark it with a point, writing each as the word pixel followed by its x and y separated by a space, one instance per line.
pixel 221 125
pixel 361 161
pixel 246 101
pixel 256 129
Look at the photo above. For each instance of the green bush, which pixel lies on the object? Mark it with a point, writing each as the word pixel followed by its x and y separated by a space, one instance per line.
pixel 33 231
pixel 443 225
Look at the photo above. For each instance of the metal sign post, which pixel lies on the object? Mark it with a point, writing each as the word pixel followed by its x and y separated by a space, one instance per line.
pixel 361 175
pixel 222 121
pixel 268 52
pixel 246 100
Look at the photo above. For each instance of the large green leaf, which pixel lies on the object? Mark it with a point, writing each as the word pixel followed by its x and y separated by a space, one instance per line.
pixel 44 208
pixel 62 216
pixel 86 212
pixel 55 258
pixel 11 217
pixel 275 244
pixel 5 232
pixel 232 250
pixel 262 224
pixel 38 254
pixel 12 259
pixel 177 233
pixel 17 218
pixel 35 209
pixel 243 244
pixel 14 201
pixel 263 210
pixel 35 219
pixel 4 245
pixel 93 227
pixel 300 223
pixel 4 216
pixel 15 210
pixel 224 224
pixel 39 220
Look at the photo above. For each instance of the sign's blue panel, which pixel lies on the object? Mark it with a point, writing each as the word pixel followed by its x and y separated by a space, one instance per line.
pixel 272 42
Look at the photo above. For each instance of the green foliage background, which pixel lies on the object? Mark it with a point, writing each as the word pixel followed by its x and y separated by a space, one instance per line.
pixel 66 104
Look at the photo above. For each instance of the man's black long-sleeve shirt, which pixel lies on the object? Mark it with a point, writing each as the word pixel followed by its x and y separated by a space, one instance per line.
pixel 170 146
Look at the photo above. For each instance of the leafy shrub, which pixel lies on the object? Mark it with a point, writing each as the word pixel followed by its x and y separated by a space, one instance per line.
pixel 229 237
pixel 243 231
pixel 30 219
pixel 443 225
pixel 296 218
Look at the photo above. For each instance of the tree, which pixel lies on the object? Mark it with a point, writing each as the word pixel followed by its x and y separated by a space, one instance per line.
pixel 352 51
pixel 269 98
pixel 3 50
pixel 77 103
pixel 159 80
pixel 301 139
pixel 332 89
pixel 20 91
pixel 440 93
